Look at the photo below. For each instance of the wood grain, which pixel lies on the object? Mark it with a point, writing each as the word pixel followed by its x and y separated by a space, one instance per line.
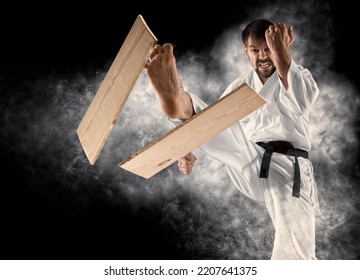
pixel 109 100
pixel 191 134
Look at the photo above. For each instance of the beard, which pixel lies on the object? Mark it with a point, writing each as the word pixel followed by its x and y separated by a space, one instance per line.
pixel 265 68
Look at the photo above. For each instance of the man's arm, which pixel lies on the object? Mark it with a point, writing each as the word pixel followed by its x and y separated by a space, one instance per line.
pixel 299 95
pixel 279 38
pixel 162 72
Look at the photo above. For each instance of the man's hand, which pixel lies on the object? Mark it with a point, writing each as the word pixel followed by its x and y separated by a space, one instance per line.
pixel 186 163
pixel 278 39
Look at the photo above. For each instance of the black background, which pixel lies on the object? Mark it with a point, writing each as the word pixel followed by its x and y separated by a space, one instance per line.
pixel 61 39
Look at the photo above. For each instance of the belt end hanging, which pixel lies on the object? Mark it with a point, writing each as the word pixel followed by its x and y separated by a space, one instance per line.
pixel 296 190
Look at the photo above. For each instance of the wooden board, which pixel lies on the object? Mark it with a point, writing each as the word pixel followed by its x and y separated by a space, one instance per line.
pixel 105 108
pixel 191 134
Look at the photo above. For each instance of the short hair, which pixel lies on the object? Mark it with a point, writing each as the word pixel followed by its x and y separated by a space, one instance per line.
pixel 256 30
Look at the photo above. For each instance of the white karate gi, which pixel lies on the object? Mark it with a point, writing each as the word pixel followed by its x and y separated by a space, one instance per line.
pixel 284 117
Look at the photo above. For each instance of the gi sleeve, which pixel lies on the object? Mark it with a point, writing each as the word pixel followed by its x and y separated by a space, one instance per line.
pixel 302 91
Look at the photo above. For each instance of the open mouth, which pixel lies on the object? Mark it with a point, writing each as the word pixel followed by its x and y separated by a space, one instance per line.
pixel 264 64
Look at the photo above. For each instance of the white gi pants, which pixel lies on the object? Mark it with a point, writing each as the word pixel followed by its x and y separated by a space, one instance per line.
pixel 293 218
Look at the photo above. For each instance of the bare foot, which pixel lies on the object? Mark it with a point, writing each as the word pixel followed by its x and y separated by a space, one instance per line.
pixel 163 74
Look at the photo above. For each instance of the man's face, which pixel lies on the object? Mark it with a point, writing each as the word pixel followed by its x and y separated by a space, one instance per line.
pixel 260 58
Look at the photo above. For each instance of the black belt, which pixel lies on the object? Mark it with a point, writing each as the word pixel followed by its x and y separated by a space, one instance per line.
pixel 286 148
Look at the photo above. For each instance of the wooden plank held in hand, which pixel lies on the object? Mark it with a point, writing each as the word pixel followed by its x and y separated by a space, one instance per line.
pixel 113 92
pixel 192 133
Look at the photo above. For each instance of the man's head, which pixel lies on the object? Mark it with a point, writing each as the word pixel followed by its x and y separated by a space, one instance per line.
pixel 256 48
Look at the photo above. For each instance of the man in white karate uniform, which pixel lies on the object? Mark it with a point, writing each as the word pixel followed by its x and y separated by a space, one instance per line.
pixel 266 153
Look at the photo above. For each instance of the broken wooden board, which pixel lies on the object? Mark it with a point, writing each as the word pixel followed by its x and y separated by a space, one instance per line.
pixel 192 133
pixel 114 90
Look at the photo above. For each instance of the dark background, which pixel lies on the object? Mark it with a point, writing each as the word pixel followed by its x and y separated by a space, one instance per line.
pixel 41 217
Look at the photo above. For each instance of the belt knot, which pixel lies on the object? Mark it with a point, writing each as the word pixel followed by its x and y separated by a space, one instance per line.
pixel 282 147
